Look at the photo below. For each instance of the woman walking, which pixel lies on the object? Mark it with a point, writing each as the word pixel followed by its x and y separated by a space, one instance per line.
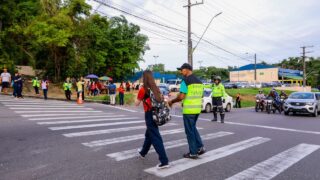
pixel 152 135
pixel 44 86
pixel 121 94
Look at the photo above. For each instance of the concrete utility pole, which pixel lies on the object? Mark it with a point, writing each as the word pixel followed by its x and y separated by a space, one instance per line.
pixel 255 69
pixel 304 52
pixel 200 63
pixel 190 48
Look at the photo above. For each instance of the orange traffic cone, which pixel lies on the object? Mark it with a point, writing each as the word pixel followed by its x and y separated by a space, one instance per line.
pixel 79 100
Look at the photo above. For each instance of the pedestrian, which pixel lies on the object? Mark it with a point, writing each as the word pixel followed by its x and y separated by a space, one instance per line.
pixel 67 85
pixel 112 93
pixel 45 86
pixel 93 88
pixel 152 134
pixel 238 101
pixel 128 86
pixel 218 98
pixel 19 85
pixel 121 94
pixel 36 85
pixel 14 85
pixel 5 79
pixel 80 88
pixel 191 93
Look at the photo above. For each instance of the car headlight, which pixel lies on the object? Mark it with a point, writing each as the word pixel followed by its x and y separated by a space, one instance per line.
pixel 310 104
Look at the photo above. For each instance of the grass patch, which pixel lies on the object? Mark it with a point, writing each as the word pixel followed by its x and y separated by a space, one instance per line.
pixel 129 98
pixel 248 95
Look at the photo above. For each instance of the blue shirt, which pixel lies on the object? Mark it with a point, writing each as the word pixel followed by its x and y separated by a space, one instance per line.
pixel 112 89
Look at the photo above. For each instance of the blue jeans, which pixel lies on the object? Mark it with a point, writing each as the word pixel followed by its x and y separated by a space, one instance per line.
pixel 193 136
pixel 153 137
pixel 45 93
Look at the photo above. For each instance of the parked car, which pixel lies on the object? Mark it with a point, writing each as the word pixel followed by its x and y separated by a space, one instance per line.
pixel 164 89
pixel 207 102
pixel 230 85
pixel 242 85
pixel 255 85
pixel 174 84
pixel 302 102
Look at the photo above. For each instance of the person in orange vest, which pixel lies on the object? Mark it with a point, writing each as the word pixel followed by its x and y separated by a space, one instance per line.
pixel 121 94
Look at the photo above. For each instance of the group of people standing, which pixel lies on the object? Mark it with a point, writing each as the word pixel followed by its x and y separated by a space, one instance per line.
pixel 43 84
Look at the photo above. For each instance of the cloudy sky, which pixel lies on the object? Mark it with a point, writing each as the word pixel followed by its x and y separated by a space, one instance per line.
pixel 274 29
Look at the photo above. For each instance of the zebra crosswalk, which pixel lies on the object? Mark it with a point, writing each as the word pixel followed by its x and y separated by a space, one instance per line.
pixel 74 121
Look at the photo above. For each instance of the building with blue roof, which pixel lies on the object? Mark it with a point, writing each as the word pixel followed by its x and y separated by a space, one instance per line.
pixel 265 73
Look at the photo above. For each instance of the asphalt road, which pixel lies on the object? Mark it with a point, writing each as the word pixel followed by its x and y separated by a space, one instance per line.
pixel 56 140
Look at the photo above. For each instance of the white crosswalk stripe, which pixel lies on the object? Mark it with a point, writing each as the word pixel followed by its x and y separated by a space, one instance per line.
pixel 108 131
pixel 184 164
pixel 94 125
pixel 123 155
pixel 69 114
pixel 45 111
pixel 277 164
pixel 76 117
pixel 51 108
pixel 127 138
pixel 90 120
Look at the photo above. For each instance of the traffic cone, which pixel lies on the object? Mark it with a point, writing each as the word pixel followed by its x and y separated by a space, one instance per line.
pixel 79 100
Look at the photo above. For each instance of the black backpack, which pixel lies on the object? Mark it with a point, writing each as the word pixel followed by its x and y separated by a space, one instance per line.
pixel 160 111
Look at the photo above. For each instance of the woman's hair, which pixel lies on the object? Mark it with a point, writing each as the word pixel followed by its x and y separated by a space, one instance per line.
pixel 149 83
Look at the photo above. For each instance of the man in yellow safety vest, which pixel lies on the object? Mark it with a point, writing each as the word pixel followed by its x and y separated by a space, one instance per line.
pixel 191 93
pixel 36 85
pixel 218 98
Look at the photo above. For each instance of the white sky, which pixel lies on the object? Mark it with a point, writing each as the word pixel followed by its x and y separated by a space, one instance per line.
pixel 274 29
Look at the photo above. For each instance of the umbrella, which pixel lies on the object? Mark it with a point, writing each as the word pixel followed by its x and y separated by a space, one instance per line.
pixel 92 76
pixel 105 78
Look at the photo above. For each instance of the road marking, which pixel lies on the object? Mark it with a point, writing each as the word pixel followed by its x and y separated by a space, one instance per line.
pixel 90 120
pixel 51 108
pixel 184 164
pixel 277 164
pixel 267 127
pixel 50 115
pixel 107 131
pixel 127 138
pixel 21 112
pixel 77 117
pixel 93 125
pixel 123 155
pixel 41 106
pixel 124 109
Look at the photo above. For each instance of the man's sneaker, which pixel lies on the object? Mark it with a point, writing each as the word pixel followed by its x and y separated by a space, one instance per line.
pixel 201 151
pixel 214 120
pixel 139 155
pixel 190 156
pixel 163 166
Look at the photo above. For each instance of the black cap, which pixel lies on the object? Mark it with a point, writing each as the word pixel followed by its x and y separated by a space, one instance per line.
pixel 185 66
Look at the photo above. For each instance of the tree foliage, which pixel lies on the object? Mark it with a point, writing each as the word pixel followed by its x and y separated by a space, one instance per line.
pixel 64 38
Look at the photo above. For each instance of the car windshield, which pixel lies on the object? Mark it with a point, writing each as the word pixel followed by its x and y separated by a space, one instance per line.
pixel 301 96
pixel 206 93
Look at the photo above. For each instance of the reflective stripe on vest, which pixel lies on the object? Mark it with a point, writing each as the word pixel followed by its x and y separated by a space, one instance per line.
pixel 192 104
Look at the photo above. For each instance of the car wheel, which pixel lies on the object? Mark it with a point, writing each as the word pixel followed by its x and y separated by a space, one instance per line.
pixel 228 108
pixel 315 114
pixel 208 108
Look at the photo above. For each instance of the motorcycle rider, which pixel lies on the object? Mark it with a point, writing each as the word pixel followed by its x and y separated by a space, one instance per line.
pixel 260 96
pixel 218 98
pixel 276 98
pixel 283 95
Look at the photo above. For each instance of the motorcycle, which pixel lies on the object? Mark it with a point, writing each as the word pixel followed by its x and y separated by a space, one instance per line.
pixel 269 105
pixel 260 104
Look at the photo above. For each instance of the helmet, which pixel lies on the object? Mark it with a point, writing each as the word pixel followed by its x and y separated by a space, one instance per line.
pixel 217 78
pixel 260 91
pixel 273 89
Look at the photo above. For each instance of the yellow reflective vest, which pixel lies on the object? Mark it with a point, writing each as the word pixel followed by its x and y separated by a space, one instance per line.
pixel 218 91
pixel 192 104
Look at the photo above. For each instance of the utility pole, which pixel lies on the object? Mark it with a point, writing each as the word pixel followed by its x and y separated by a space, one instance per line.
pixel 255 69
pixel 190 48
pixel 155 59
pixel 304 52
pixel 200 63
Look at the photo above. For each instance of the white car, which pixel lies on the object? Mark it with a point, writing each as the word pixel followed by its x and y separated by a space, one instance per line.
pixel 207 102
pixel 174 85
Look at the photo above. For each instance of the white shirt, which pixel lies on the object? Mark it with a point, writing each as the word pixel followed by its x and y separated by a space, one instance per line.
pixel 44 84
pixel 5 77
